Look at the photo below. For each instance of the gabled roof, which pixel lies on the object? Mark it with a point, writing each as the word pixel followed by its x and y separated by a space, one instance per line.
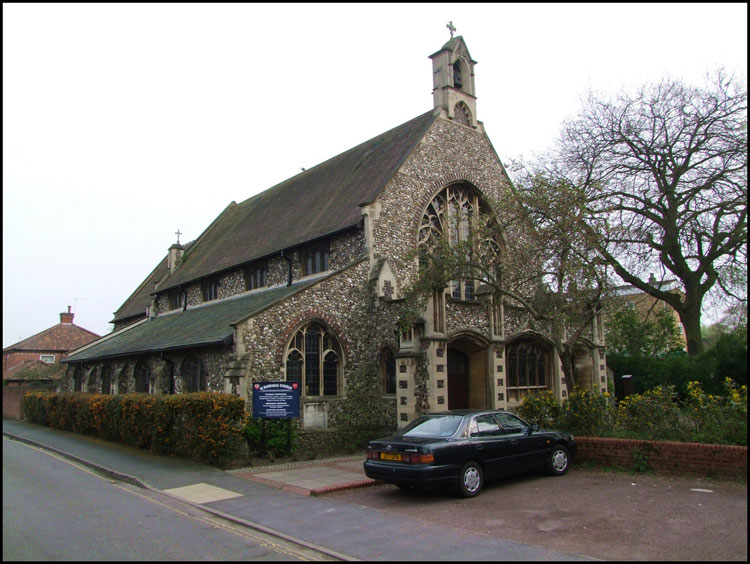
pixel 204 325
pixel 136 303
pixel 321 201
pixel 318 202
pixel 62 337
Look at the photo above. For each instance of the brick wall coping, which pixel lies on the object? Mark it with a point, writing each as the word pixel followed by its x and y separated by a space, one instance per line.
pixel 667 457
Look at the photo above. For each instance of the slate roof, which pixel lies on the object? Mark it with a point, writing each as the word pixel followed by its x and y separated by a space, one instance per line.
pixel 204 325
pixel 320 201
pixel 62 337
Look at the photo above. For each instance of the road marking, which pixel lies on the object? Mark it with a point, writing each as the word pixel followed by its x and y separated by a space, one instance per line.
pixel 202 493
pixel 701 490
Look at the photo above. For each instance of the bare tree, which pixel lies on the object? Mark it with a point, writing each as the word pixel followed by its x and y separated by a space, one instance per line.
pixel 664 172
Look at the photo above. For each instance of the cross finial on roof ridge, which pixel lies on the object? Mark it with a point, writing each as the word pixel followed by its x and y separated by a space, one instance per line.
pixel 451 28
pixel 178 233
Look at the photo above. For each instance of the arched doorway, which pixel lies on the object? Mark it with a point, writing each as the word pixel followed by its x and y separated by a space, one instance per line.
pixel 467 373
pixel 458 380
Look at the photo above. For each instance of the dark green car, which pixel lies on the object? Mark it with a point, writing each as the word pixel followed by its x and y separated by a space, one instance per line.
pixel 463 448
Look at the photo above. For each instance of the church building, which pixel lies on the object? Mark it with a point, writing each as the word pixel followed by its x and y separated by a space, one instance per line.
pixel 305 282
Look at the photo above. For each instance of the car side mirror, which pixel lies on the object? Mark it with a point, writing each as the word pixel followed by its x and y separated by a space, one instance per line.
pixel 534 427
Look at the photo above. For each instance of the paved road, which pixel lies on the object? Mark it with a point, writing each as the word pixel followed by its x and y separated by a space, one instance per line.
pixel 599 514
pixel 341 530
pixel 57 510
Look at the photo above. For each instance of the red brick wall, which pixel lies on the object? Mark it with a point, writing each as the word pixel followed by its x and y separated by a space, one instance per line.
pixel 11 359
pixel 665 457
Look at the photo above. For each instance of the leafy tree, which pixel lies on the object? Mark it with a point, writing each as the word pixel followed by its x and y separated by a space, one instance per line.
pixel 628 333
pixel 664 173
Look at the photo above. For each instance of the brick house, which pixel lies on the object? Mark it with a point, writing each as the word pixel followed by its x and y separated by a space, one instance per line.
pixel 49 346
pixel 646 305
pixel 36 359
pixel 304 282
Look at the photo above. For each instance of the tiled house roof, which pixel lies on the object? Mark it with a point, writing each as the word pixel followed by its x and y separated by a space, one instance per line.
pixel 62 337
pixel 209 324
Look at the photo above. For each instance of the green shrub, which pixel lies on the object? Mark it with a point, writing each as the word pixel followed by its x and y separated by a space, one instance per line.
pixel 271 437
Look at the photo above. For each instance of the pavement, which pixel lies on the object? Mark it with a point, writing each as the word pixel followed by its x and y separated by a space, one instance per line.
pixel 282 500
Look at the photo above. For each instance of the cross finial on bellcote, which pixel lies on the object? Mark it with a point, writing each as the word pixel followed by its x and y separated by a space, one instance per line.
pixel 178 233
pixel 451 28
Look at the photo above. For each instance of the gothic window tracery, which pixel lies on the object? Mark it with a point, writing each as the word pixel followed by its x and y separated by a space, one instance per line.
pixel 461 114
pixel 455 213
pixel 313 358
pixel 528 364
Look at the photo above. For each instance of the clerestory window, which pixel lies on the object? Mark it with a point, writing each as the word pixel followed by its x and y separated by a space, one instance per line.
pixel 255 275
pixel 210 289
pixel 316 258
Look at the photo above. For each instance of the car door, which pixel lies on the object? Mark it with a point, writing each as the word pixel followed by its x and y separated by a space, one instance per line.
pixel 526 448
pixel 489 442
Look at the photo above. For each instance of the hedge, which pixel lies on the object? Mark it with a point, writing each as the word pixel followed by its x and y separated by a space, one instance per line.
pixel 206 426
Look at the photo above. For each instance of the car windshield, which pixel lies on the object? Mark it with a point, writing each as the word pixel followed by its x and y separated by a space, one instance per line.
pixel 432 426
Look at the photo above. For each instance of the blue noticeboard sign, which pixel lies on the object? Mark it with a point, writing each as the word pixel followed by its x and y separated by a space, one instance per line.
pixel 276 400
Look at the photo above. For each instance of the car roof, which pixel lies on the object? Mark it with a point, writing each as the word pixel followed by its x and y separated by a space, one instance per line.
pixel 463 412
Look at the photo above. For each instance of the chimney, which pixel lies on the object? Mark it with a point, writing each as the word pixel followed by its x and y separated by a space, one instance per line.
pixel 66 317
pixel 174 256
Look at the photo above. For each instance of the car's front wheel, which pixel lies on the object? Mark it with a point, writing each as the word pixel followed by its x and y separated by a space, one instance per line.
pixel 559 460
pixel 470 480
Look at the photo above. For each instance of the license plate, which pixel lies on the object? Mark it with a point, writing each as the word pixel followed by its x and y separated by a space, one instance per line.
pixel 390 456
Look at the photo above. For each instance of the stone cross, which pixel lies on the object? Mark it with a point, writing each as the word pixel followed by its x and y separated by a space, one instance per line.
pixel 178 233
pixel 451 28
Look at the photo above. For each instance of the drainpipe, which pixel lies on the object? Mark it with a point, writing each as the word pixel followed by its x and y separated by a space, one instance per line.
pixel 289 262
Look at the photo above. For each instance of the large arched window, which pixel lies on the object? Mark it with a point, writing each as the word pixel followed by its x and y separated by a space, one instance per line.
pixel 313 358
pixel 193 374
pixel 142 374
pixel 107 379
pixel 455 213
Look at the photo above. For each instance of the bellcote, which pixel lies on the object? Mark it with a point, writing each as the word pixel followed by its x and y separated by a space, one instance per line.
pixel 453 82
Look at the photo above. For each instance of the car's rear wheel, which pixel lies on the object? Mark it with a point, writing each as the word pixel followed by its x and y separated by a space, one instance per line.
pixel 470 480
pixel 559 460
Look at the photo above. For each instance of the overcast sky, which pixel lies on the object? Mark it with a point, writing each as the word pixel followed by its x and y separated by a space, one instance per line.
pixel 123 123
